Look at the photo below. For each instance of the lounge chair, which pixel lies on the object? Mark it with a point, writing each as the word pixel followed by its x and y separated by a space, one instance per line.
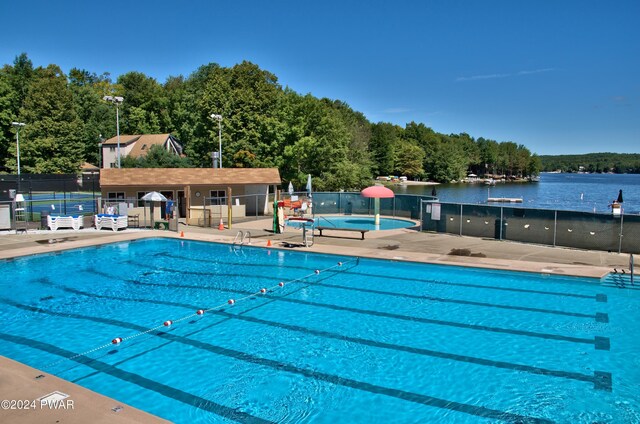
pixel 112 222
pixel 55 222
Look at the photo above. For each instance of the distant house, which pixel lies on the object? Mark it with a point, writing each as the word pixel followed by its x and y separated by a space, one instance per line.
pixel 136 146
pixel 200 194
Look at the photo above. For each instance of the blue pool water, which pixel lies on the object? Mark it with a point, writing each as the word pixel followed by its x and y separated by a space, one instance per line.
pixel 362 222
pixel 367 341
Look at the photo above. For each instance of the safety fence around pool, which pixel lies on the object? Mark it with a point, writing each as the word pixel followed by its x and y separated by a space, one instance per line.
pixel 582 230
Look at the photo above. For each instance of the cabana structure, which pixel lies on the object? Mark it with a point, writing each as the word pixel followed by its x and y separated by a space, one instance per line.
pixel 199 194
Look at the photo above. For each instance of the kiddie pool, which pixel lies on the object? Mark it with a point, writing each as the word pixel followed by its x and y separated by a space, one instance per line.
pixel 360 222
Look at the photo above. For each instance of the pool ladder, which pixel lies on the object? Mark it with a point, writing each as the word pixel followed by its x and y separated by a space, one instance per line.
pixel 241 237
pixel 618 277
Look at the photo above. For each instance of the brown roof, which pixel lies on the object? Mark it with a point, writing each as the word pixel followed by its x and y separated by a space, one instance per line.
pixel 124 139
pixel 89 167
pixel 188 176
pixel 145 142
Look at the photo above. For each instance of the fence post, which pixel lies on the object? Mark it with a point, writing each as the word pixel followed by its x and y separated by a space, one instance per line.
pixel 461 219
pixel 394 206
pixel 64 195
pixel 555 226
pixel 256 206
pixel 621 225
pixel 501 220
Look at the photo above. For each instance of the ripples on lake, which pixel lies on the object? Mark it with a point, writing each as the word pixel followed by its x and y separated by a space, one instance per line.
pixel 581 192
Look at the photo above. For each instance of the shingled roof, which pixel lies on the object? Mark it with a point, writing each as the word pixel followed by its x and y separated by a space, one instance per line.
pixel 124 139
pixel 187 176
pixel 144 142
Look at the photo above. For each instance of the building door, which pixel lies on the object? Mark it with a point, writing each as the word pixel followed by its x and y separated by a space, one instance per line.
pixel 182 205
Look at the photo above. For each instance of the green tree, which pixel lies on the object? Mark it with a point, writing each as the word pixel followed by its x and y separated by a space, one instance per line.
pixel 409 159
pixel 52 140
pixel 156 157
pixel 384 136
pixel 88 89
pixel 145 109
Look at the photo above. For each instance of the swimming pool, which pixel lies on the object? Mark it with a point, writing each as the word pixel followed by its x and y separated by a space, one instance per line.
pixel 362 222
pixel 365 341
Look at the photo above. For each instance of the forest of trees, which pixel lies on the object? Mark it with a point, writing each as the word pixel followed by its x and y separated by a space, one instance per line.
pixel 618 163
pixel 264 125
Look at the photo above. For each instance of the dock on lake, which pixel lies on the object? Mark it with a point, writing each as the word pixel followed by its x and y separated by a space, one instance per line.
pixel 504 200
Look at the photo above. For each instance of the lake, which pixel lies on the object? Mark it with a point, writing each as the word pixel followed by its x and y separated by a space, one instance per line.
pixel 581 192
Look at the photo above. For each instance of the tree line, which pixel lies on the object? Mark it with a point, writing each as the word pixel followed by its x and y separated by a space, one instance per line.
pixel 264 125
pixel 618 163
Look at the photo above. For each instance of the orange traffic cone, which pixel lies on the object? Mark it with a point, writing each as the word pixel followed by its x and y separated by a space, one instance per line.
pixel 268 243
pixel 221 225
pixel 181 233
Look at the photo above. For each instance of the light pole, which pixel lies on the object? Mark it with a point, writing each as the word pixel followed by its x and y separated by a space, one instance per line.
pixel 219 118
pixel 100 151
pixel 18 125
pixel 116 100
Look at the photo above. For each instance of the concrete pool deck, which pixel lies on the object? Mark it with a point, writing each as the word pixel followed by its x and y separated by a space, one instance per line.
pixel 18 381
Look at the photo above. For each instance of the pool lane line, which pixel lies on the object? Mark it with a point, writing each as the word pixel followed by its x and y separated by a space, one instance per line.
pixel 160 346
pixel 142 330
pixel 176 394
pixel 146 383
pixel 597 379
pixel 600 343
pixel 598 316
pixel 597 297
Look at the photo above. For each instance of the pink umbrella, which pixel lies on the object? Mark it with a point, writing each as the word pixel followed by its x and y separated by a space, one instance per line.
pixel 377 192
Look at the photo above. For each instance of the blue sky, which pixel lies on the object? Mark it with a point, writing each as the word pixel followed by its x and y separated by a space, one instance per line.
pixel 560 77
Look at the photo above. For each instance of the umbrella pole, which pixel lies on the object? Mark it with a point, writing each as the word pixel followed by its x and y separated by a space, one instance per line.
pixel 376 211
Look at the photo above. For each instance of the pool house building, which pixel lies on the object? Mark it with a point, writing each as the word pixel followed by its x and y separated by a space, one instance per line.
pixel 200 195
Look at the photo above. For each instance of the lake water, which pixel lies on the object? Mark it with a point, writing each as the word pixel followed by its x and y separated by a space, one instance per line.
pixel 581 192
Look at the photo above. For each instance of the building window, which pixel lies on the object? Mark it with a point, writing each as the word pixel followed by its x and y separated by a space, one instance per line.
pixel 141 203
pixel 117 195
pixel 218 197
pixel 112 149
pixel 112 165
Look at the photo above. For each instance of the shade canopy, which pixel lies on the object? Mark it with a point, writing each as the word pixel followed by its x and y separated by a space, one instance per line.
pixel 154 196
pixel 379 192
pixel 291 191
pixel 620 200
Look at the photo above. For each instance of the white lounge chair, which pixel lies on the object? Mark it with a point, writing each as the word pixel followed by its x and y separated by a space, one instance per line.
pixel 55 222
pixel 112 222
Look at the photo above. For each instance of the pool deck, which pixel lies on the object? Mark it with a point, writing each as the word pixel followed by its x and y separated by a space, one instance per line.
pixel 17 381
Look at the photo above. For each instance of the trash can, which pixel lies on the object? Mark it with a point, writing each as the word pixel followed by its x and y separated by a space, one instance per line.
pixel 43 219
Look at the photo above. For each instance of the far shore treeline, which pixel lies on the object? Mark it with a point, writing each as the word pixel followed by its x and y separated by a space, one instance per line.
pixel 264 125
pixel 618 163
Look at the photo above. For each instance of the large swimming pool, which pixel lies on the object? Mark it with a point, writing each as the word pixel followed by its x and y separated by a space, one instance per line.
pixel 364 341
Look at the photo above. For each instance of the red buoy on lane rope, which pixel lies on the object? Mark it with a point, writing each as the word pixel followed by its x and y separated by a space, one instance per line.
pixel 317 271
pixel 281 284
pixel 200 312
pixel 117 340
pixel 231 301
pixel 263 291
pixel 168 323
